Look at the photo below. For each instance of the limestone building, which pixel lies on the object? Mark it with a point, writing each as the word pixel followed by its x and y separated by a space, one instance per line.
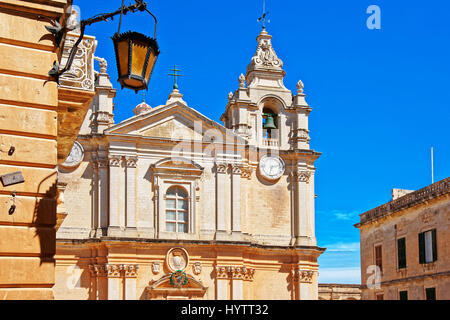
pixel 335 291
pixel 405 246
pixel 169 204
pixel 39 122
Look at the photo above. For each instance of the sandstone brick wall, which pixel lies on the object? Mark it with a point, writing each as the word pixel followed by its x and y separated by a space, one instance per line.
pixel 28 122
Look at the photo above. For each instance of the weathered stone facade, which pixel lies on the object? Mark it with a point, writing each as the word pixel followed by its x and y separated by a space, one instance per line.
pixel 36 128
pixel 171 180
pixel 333 291
pixel 412 267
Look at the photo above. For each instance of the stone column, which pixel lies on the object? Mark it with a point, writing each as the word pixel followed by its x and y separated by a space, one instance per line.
pixel 131 192
pixel 301 223
pixel 303 280
pixel 115 290
pixel 103 196
pixel 222 282
pixel 236 199
pixel 221 171
pixel 95 199
pixel 114 172
pixel 131 281
pixel 102 282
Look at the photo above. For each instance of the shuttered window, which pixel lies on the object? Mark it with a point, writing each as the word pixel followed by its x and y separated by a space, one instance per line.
pixel 379 257
pixel 403 295
pixel 401 253
pixel 427 246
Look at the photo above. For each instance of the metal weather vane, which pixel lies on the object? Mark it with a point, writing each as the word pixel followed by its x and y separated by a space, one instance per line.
pixel 263 17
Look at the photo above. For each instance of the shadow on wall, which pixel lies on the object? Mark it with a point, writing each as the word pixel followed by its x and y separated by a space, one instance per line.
pixel 45 220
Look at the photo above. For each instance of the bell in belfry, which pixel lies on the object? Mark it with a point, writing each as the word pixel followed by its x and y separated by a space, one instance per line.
pixel 270 123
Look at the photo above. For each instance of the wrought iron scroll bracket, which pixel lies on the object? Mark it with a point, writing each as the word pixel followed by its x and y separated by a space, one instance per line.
pixel 58 32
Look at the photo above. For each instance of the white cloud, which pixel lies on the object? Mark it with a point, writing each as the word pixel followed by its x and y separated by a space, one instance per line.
pixel 340 214
pixel 342 247
pixel 351 275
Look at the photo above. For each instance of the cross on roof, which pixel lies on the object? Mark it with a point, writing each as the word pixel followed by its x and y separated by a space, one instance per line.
pixel 175 75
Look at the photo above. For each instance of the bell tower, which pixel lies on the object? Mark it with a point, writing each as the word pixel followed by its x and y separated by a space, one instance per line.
pixel 262 110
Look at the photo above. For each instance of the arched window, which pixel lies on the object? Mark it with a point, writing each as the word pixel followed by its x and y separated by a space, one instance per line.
pixel 177 210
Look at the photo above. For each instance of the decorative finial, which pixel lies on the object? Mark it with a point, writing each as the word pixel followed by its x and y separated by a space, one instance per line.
pixel 300 87
pixel 263 17
pixel 175 75
pixel 102 63
pixel 230 95
pixel 241 81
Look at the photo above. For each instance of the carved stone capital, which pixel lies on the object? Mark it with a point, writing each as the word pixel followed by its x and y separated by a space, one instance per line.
pixel 102 163
pixel 221 272
pixel 114 161
pixel 221 167
pixel 303 135
pixel 235 272
pixel 302 276
pixel 131 162
pixel 115 270
pixel 131 270
pixel 236 169
pixel 303 176
pixel 100 270
pixel 246 172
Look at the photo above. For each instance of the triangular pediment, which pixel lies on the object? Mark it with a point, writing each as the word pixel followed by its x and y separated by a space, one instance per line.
pixel 175 121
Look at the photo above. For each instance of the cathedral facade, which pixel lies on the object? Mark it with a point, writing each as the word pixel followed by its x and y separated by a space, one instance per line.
pixel 169 204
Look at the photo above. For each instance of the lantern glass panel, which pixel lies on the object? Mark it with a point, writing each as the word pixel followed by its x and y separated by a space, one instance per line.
pixel 138 59
pixel 123 48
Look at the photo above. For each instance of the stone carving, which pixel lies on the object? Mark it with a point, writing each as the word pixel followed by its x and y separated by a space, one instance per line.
pixel 237 170
pixel 221 167
pixel 131 270
pixel 265 54
pixel 177 259
pixel 131 162
pixel 156 267
pixel 302 276
pixel 102 117
pixel 197 268
pixel 230 96
pixel 303 176
pixel 300 87
pixel 114 270
pixel 114 161
pixel 102 63
pixel 235 272
pixel 427 217
pixel 246 172
pixel 241 81
pixel 303 134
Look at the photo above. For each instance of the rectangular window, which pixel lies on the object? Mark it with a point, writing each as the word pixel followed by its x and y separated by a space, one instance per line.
pixel 403 295
pixel 427 246
pixel 401 253
pixel 430 293
pixel 379 257
pixel 380 296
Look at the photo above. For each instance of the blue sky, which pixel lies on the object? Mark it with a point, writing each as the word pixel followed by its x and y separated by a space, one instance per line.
pixel 379 97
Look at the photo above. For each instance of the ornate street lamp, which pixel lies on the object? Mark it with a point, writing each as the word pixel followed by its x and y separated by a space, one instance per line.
pixel 136 54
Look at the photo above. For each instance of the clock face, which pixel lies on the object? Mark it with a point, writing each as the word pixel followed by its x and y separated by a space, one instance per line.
pixel 271 168
pixel 75 157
